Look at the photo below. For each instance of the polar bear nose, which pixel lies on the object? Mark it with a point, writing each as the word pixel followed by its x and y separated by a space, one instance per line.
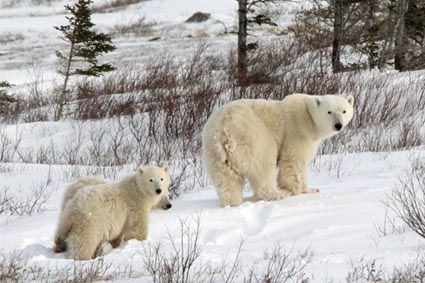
pixel 338 126
pixel 158 191
pixel 169 205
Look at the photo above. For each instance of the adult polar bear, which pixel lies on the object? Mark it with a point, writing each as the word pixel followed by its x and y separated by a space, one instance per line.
pixel 269 143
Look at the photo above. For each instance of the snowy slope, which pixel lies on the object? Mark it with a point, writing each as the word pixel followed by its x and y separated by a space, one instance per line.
pixel 339 225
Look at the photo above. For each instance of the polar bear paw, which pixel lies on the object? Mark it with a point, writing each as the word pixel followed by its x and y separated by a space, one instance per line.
pixel 103 248
pixel 271 195
pixel 311 191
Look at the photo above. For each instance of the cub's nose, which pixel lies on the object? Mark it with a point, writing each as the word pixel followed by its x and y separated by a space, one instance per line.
pixel 338 126
pixel 169 206
pixel 158 191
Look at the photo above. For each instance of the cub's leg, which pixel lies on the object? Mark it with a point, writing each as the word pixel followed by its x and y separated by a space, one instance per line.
pixel 137 229
pixel 82 241
pixel 62 231
pixel 103 248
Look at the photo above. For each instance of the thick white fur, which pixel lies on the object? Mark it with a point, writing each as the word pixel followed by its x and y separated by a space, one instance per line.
pixel 269 143
pixel 97 215
pixel 90 181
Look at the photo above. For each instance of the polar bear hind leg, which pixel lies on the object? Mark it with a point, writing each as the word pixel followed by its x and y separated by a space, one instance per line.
pixel 229 185
pixel 83 242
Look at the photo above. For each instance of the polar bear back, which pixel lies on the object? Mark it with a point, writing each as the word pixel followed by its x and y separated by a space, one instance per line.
pixel 269 125
pixel 105 203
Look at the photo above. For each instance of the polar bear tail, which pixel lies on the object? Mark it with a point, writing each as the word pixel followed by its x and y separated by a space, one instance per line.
pixel 219 149
pixel 62 231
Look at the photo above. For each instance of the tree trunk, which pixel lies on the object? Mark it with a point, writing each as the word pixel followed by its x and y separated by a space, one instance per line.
pixel 372 47
pixel 64 92
pixel 337 36
pixel 242 50
pixel 399 36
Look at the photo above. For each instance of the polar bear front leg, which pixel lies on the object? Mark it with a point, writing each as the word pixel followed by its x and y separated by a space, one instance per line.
pixel 138 230
pixel 265 187
pixel 103 249
pixel 293 176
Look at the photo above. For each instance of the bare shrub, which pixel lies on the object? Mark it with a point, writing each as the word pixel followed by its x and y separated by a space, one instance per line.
pixel 275 71
pixel 138 27
pixel 408 199
pixel 15 267
pixel 155 113
pixel 183 263
pixel 113 5
pixel 9 146
pixel 390 225
pixel 32 104
pixel 373 271
pixel 9 37
pixel 384 118
pixel 178 263
pixel 281 266
pixel 35 202
pixel 11 267
pixel 335 165
pixel 90 107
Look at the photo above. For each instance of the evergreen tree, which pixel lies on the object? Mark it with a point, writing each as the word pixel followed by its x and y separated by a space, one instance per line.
pixel 247 17
pixel 415 32
pixel 3 86
pixel 4 98
pixel 85 46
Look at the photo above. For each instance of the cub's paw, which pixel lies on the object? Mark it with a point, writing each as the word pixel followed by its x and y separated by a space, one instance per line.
pixel 311 191
pixel 103 249
pixel 284 193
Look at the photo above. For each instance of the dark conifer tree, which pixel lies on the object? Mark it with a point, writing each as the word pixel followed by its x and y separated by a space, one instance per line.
pixel 247 17
pixel 85 45
pixel 3 86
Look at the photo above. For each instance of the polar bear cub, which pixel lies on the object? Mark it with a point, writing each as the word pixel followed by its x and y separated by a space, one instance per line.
pixel 269 143
pixel 97 214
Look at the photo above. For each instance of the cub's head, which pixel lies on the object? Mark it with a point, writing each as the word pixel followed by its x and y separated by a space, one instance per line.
pixel 155 181
pixel 332 113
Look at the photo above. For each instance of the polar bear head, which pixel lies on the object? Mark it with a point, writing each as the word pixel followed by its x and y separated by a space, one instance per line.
pixel 155 182
pixel 331 113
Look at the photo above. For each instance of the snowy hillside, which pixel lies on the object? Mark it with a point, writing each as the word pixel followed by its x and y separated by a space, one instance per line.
pixel 338 235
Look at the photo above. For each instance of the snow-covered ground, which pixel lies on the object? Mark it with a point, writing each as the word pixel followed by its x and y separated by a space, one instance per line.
pixel 341 225
pixel 346 222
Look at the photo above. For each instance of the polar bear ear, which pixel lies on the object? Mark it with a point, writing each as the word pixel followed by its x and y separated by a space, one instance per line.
pixel 166 168
pixel 318 101
pixel 140 169
pixel 350 100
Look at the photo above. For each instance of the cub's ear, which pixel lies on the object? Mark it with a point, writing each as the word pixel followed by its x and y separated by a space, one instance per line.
pixel 318 101
pixel 166 168
pixel 140 169
pixel 350 100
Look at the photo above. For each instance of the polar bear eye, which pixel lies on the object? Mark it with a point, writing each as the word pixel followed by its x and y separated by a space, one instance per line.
pixel 162 179
pixel 150 180
pixel 329 112
pixel 344 111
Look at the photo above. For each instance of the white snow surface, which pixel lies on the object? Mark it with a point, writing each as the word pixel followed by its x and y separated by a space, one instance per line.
pixel 339 225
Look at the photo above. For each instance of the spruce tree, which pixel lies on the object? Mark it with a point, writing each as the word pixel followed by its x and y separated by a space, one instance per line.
pixel 247 17
pixel 85 46
pixel 3 86
pixel 4 98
